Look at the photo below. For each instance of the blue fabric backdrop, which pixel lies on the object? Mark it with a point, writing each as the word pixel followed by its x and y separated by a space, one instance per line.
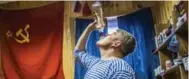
pixel 140 24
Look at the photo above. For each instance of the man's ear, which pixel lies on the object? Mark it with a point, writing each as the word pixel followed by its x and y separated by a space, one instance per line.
pixel 116 44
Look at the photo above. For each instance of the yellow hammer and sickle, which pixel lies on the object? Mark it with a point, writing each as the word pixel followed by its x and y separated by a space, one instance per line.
pixel 25 37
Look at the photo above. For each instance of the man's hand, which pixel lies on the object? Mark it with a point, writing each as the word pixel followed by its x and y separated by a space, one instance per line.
pixel 98 22
pixel 92 25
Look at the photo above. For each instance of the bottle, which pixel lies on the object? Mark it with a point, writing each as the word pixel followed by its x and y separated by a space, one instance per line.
pixel 97 7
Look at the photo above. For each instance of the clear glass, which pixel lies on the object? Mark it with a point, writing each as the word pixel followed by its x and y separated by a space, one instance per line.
pixel 97 7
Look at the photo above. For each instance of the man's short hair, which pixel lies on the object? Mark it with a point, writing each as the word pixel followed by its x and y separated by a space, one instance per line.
pixel 128 42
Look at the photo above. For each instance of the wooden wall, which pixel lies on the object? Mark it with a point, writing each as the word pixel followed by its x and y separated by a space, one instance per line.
pixel 161 13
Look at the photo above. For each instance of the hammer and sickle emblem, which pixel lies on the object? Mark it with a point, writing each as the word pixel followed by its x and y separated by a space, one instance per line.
pixel 24 36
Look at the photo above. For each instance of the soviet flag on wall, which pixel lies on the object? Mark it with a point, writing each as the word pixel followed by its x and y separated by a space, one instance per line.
pixel 31 45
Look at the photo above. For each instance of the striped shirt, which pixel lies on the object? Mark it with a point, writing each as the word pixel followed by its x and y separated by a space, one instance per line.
pixel 104 69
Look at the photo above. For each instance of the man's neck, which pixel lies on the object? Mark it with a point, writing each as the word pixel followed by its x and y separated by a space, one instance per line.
pixel 109 54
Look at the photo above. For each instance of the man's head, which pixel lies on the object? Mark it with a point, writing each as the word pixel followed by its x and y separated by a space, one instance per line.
pixel 120 41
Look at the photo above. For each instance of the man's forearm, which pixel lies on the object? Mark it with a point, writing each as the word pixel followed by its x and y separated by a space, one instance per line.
pixel 83 39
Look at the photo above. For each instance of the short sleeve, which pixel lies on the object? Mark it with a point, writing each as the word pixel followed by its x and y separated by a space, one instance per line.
pixel 85 59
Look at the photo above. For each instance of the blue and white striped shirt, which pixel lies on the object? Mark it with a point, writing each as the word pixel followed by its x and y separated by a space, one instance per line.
pixel 104 69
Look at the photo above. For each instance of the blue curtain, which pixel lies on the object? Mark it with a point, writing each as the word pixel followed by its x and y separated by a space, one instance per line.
pixel 141 25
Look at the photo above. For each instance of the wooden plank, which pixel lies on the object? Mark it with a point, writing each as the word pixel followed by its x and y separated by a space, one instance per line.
pixel 68 60
pixel 182 31
pixel 160 27
pixel 172 73
pixel 184 74
pixel 184 43
pixel 163 46
pixel 172 70
pixel 182 34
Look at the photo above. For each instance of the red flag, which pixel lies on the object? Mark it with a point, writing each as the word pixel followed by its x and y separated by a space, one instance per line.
pixel 32 47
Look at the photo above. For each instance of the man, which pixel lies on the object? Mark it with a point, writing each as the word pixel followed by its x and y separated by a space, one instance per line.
pixel 113 47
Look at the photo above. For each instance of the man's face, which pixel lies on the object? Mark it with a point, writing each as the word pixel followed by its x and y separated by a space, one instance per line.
pixel 110 40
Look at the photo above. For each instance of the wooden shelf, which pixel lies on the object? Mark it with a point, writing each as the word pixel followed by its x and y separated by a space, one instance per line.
pixel 172 70
pixel 180 30
pixel 184 74
pixel 164 44
pixel 169 71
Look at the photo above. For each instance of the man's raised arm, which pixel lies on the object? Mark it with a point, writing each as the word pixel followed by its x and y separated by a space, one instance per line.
pixel 83 38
